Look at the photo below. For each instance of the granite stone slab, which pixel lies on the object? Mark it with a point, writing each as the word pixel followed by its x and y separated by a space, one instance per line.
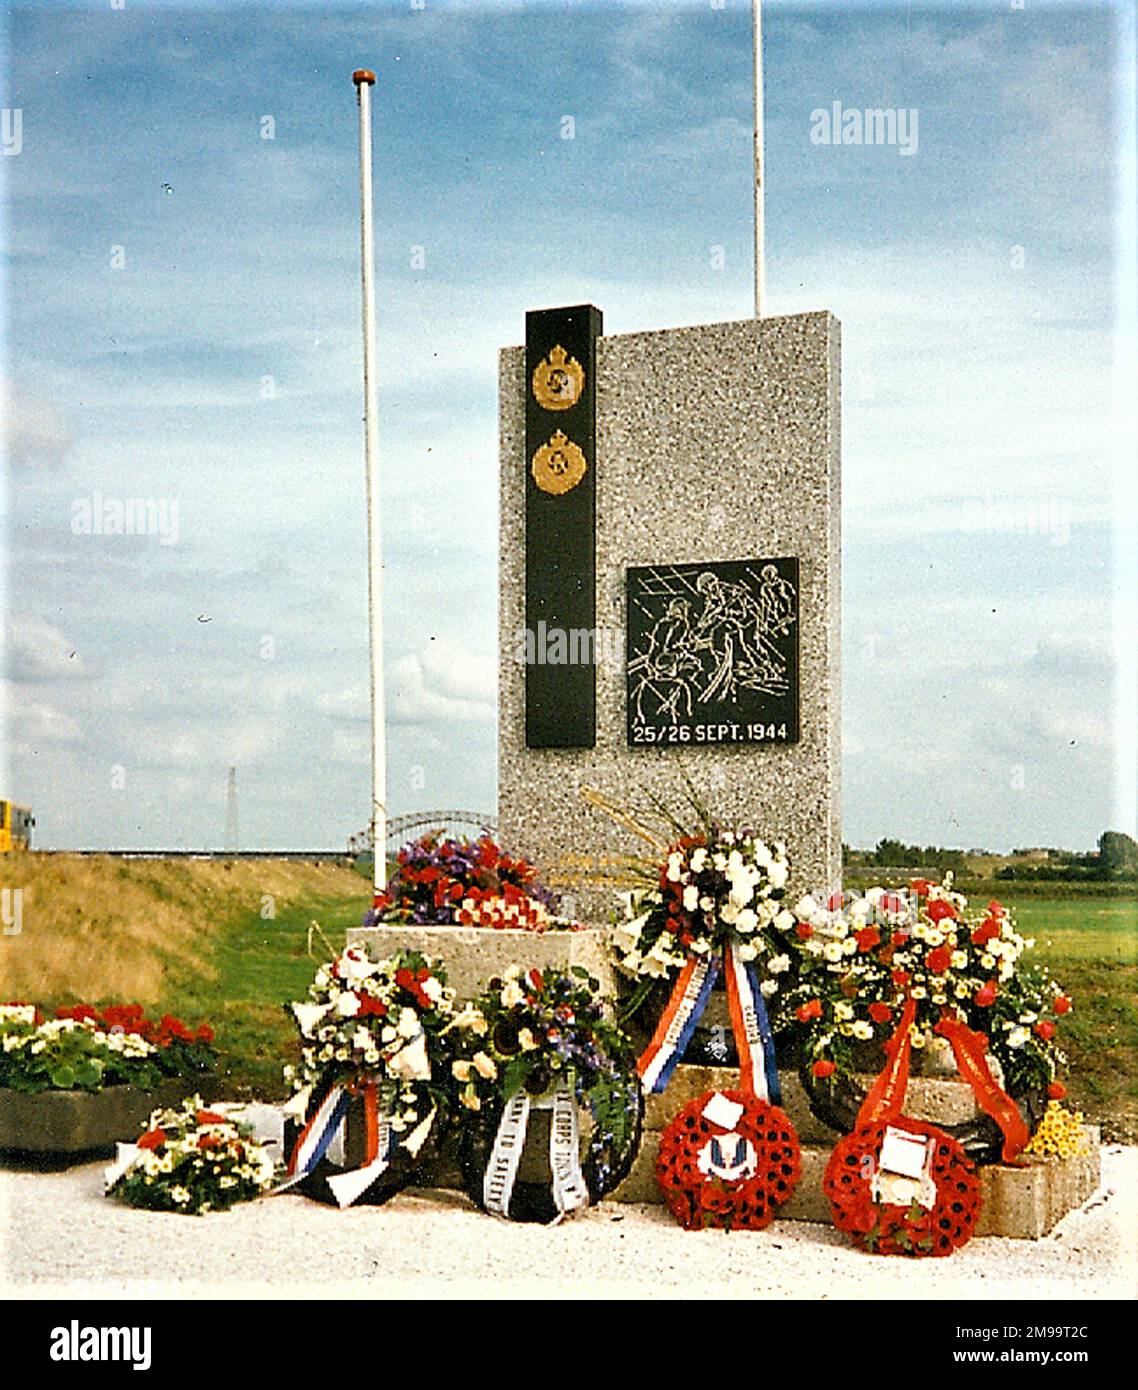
pixel 717 442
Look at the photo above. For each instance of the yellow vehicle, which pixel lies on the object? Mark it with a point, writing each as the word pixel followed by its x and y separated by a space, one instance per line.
pixel 15 827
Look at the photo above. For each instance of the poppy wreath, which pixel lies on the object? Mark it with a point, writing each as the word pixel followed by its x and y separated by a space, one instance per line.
pixel 891 1229
pixel 941 1203
pixel 371 1102
pixel 729 1159
pixel 550 1100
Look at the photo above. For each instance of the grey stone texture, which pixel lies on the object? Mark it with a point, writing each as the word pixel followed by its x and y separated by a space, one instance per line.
pixel 718 442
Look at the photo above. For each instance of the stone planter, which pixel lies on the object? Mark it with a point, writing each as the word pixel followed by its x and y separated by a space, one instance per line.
pixel 473 954
pixel 61 1123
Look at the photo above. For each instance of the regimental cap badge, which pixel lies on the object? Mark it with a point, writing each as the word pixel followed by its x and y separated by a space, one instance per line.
pixel 559 465
pixel 558 380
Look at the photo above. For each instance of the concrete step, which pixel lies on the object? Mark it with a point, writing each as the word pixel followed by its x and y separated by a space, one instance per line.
pixel 1019 1203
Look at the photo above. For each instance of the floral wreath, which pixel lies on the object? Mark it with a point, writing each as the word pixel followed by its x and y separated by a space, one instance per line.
pixel 861 957
pixel 375 1045
pixel 190 1159
pixel 461 882
pixel 728 1160
pixel 900 1186
pixel 886 1228
pixel 541 1042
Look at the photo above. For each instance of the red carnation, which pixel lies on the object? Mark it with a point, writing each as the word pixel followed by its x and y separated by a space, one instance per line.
pixel 1056 1091
pixel 997 909
pixel 867 939
pixel 371 1007
pixel 208 1141
pixel 823 1068
pixel 1045 1029
pixel 880 1013
pixel 152 1139
pixel 939 960
pixel 985 996
pixel 804 931
pixel 988 929
pixel 812 1009
pixel 901 978
pixel 899 937
pixel 1062 1004
pixel 939 909
pixel 205 1033
pixel 920 886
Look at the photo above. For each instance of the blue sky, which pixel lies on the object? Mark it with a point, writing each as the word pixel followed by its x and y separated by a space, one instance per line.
pixel 213 360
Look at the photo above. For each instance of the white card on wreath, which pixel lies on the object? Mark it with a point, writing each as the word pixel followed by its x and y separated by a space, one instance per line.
pixel 904 1153
pixel 722 1111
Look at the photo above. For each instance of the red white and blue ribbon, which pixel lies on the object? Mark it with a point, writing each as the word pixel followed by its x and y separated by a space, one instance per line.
pixel 754 1040
pixel 678 1021
pixel 327 1127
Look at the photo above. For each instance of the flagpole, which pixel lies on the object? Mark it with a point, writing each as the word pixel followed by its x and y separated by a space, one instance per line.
pixel 760 267
pixel 364 81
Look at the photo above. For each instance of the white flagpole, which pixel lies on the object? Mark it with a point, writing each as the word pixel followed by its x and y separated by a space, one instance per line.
pixel 364 80
pixel 760 267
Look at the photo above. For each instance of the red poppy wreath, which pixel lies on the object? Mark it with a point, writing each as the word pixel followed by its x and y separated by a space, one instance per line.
pixel 728 1160
pixel 937 1207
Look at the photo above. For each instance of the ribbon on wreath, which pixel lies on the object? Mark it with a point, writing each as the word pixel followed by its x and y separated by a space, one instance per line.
pixel 570 1191
pixel 886 1096
pixel 327 1126
pixel 749 1023
pixel 970 1049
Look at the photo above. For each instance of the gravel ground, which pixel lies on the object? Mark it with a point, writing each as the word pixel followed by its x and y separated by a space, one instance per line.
pixel 63 1238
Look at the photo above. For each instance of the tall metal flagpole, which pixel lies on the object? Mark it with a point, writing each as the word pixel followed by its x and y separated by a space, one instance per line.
pixel 760 267
pixel 364 81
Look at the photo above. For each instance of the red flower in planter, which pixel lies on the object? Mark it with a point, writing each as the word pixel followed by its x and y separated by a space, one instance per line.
pixel 823 1068
pixel 208 1141
pixel 939 909
pixel 997 909
pixel 867 939
pixel 209 1117
pixel 1045 1029
pixel 920 886
pixel 987 931
pixel 205 1033
pixel 812 1009
pixel 1056 1091
pixel 371 1007
pixel 1062 1004
pixel 880 1013
pixel 900 978
pixel 152 1139
pixel 804 931
pixel 985 996
pixel 939 960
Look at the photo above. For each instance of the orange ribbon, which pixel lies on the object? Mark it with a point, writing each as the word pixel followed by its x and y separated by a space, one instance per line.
pixel 970 1050
pixel 886 1097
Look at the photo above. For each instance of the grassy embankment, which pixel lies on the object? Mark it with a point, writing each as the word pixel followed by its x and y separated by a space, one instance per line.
pixel 188 936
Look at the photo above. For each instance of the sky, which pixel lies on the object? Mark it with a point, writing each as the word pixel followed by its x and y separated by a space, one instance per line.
pixel 181 324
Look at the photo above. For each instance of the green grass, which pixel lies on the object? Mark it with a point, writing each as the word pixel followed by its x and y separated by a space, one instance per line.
pixel 1092 947
pixel 260 966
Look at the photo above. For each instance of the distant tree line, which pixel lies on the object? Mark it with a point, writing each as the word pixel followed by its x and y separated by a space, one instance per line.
pixel 1116 859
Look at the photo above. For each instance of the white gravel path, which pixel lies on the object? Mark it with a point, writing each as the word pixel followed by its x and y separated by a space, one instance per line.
pixel 63 1238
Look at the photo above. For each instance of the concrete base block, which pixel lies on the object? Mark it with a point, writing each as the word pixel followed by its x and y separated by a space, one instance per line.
pixel 473 954
pixel 1026 1203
